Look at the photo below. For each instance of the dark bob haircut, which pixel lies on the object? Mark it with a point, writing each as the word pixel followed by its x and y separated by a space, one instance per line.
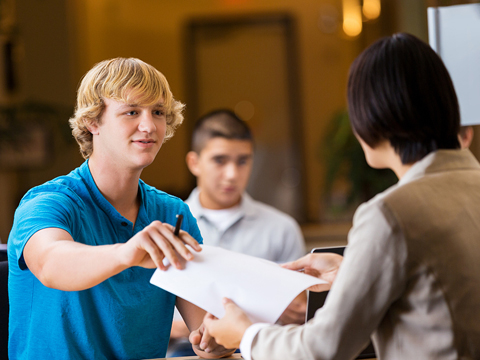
pixel 222 123
pixel 399 90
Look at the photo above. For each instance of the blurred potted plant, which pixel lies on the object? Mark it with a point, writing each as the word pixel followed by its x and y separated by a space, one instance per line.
pixel 349 180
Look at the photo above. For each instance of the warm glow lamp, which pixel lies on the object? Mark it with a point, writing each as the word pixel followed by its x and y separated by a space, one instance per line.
pixel 371 9
pixel 352 17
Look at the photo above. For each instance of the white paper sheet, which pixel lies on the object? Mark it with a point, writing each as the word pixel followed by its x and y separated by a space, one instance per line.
pixel 261 288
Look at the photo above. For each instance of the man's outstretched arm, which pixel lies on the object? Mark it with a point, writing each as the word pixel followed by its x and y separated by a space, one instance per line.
pixel 61 263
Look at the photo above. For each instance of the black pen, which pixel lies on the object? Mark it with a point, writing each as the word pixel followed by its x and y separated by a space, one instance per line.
pixel 178 224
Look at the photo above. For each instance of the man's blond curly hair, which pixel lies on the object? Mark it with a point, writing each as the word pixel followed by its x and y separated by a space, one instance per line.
pixel 128 80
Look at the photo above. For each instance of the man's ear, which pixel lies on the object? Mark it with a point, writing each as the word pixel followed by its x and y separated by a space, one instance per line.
pixel 92 127
pixel 192 163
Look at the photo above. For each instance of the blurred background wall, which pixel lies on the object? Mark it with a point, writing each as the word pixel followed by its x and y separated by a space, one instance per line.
pixel 47 46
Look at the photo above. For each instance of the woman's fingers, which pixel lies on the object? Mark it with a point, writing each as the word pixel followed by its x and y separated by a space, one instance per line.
pixel 297 264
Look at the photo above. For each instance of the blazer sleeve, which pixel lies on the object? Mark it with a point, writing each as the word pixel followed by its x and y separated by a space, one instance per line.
pixel 371 277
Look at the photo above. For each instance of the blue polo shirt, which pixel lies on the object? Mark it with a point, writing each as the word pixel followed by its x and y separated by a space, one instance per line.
pixel 124 317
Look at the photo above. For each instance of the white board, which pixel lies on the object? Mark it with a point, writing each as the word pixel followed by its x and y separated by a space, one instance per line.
pixel 454 33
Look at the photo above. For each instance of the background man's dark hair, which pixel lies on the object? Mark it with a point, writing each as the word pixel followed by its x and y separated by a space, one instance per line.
pixel 399 90
pixel 222 123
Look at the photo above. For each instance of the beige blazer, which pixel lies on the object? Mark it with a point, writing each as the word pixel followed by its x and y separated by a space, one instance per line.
pixel 410 276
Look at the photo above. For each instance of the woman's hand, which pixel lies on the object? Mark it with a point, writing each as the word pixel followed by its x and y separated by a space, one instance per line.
pixel 228 331
pixel 323 266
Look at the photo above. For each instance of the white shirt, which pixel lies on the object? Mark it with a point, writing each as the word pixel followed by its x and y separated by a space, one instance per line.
pixel 224 218
pixel 252 228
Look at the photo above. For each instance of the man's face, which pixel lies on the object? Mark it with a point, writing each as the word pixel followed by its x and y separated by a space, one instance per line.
pixel 129 135
pixel 222 169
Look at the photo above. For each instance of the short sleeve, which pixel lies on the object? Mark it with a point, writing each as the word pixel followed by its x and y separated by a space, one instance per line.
pixel 40 211
pixel 191 226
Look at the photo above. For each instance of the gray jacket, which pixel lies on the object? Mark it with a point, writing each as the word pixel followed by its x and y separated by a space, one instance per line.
pixel 410 276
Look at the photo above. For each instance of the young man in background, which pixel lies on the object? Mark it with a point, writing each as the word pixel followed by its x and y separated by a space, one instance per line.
pixel 221 159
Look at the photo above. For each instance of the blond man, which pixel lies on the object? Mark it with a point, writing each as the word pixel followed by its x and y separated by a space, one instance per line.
pixel 84 246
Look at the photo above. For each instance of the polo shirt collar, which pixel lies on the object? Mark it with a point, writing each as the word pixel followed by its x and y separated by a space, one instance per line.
pixel 248 205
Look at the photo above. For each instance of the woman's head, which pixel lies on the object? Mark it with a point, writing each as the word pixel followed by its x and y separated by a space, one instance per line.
pixel 121 79
pixel 399 90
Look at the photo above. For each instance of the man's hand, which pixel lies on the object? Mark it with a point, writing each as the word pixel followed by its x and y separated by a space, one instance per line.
pixel 202 343
pixel 295 312
pixel 228 331
pixel 205 345
pixel 155 242
pixel 323 266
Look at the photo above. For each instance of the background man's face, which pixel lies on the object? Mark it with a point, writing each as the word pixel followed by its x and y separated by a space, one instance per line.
pixel 222 169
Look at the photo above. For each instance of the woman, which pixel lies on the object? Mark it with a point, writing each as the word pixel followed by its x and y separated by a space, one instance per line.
pixel 411 275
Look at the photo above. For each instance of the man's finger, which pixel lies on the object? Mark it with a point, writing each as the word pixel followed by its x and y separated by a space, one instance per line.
pixel 195 337
pixel 166 247
pixel 155 254
pixel 206 342
pixel 185 237
pixel 176 244
pixel 189 240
